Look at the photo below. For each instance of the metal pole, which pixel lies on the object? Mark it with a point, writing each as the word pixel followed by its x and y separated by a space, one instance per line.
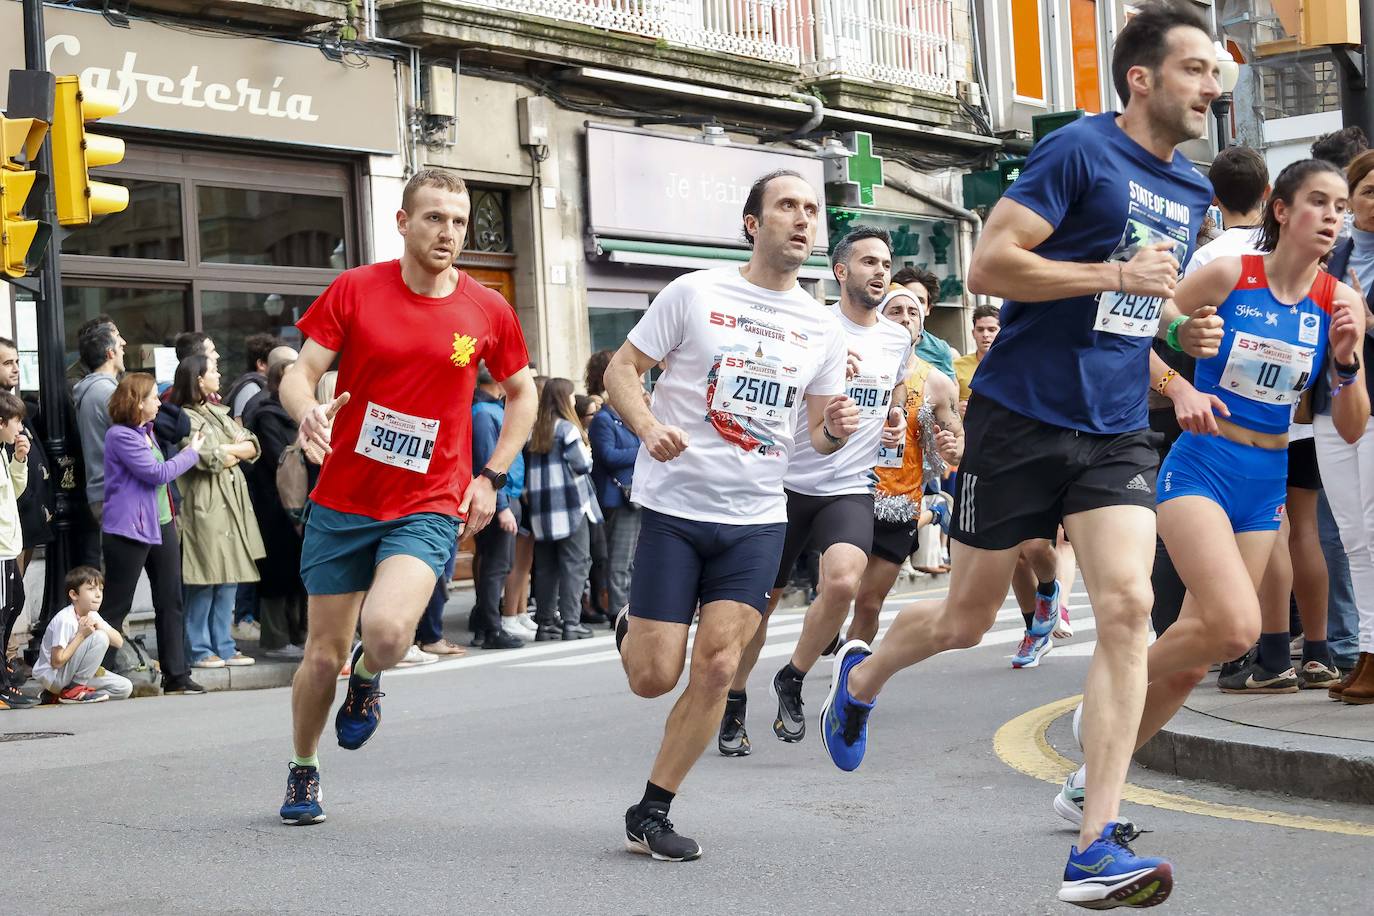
pixel 1357 108
pixel 1221 109
pixel 52 390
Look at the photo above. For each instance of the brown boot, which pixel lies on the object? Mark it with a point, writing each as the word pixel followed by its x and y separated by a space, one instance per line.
pixel 1360 691
pixel 1336 691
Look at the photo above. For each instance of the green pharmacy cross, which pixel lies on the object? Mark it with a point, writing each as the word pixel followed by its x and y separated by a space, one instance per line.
pixel 858 173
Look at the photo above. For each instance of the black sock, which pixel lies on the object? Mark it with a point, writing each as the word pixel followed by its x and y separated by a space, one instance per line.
pixel 1045 589
pixel 790 672
pixel 736 698
pixel 1315 650
pixel 656 796
pixel 1028 618
pixel 1273 652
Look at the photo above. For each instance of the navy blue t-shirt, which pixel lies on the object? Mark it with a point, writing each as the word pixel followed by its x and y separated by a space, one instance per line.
pixel 1083 362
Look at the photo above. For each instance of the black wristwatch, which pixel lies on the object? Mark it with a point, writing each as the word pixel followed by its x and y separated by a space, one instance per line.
pixel 1347 371
pixel 497 478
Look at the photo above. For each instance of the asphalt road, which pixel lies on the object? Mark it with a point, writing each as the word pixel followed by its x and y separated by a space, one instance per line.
pixel 498 783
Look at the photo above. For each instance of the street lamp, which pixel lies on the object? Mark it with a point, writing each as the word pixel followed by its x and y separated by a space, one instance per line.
pixel 1221 106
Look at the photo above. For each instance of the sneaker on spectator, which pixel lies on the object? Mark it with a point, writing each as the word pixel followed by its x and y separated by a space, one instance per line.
pixel 290 652
pixel 209 661
pixel 247 629
pixel 240 661
pixel 1295 647
pixel 416 656
pixel 526 621
pixel 180 684
pixel 1316 676
pixel 11 698
pixel 512 626
pixel 80 693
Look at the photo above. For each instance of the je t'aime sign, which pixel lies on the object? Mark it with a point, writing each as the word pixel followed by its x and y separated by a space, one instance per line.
pixel 677 189
pixel 222 85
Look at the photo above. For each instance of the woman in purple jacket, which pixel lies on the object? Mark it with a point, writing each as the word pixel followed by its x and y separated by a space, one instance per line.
pixel 138 529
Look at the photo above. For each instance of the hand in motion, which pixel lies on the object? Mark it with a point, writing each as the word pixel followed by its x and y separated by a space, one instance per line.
pixel 947 444
pixel 842 417
pixel 665 442
pixel 1152 272
pixel 851 364
pixel 895 429
pixel 1196 412
pixel 1201 335
pixel 318 424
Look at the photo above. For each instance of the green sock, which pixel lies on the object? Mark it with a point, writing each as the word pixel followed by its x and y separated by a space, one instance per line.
pixel 312 761
pixel 362 672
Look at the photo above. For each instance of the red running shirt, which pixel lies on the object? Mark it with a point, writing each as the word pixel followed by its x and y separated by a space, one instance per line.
pixel 403 442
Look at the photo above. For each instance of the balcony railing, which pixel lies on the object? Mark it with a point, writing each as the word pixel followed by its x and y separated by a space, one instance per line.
pixel 905 42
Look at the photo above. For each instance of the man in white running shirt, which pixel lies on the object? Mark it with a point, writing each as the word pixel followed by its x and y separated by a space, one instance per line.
pixel 741 349
pixel 830 497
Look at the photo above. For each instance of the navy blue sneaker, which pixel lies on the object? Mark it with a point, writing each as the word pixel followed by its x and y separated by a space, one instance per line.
pixel 940 510
pixel 1046 613
pixel 844 720
pixel 1108 874
pixel 361 711
pixel 302 805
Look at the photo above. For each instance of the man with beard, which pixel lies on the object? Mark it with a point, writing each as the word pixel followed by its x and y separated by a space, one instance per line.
pixel 1086 248
pixel 398 483
pixel 830 496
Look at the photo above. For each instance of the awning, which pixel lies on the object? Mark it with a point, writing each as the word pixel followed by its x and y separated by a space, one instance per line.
pixel 692 257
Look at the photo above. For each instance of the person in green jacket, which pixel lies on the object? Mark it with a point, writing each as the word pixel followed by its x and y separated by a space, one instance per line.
pixel 220 540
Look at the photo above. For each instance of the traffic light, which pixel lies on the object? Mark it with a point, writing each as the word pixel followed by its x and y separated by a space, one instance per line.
pixel 22 240
pixel 75 152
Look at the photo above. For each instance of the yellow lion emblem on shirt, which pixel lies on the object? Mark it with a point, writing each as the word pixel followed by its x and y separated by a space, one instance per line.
pixel 463 348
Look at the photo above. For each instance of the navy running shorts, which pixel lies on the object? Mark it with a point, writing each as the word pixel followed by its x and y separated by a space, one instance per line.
pixel 1249 483
pixel 820 522
pixel 342 550
pixel 681 563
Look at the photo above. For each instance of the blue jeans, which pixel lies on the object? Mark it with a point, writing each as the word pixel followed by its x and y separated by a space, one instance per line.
pixel 430 629
pixel 1342 617
pixel 209 617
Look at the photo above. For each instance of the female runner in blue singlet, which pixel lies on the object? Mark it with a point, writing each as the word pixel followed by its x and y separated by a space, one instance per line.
pixel 1221 497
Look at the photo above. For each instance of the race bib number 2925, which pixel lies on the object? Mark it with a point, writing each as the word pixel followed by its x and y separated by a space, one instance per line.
pixel 397 439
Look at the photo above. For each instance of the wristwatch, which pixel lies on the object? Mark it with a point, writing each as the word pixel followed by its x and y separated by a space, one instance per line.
pixel 497 478
pixel 1346 371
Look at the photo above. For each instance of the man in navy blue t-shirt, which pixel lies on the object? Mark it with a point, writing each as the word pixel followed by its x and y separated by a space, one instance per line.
pixel 1085 248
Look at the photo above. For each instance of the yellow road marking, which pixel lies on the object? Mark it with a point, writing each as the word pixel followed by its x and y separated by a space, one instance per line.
pixel 1022 745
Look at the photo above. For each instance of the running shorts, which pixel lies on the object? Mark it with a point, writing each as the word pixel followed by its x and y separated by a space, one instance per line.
pixel 820 522
pixel 342 550
pixel 1248 482
pixel 1303 473
pixel 894 541
pixel 1021 477
pixel 681 563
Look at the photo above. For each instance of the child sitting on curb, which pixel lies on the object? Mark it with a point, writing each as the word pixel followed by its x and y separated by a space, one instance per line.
pixel 69 663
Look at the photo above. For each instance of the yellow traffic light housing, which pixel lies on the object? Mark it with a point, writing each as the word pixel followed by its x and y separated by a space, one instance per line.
pixel 22 240
pixel 75 152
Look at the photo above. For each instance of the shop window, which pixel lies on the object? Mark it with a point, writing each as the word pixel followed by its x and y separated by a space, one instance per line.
pixel 488 229
pixel 230 317
pixel 1028 74
pixel 146 317
pixel 149 228
pixel 270 228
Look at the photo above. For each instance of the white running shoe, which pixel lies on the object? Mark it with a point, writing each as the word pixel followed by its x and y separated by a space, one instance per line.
pixel 1078 726
pixel 526 621
pixel 1068 804
pixel 514 627
pixel 1063 629
pixel 416 656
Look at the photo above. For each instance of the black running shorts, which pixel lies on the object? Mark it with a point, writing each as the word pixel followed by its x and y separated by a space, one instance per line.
pixel 819 522
pixel 1303 473
pixel 1020 477
pixel 894 541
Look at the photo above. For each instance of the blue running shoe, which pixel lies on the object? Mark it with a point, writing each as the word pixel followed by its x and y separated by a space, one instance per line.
pixel 1031 650
pixel 1046 612
pixel 361 711
pixel 1108 874
pixel 302 805
pixel 940 510
pixel 844 720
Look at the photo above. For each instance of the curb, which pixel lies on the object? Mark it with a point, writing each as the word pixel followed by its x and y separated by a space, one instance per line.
pixel 261 676
pixel 1195 745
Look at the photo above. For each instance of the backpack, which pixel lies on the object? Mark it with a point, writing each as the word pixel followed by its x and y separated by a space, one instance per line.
pixel 293 483
pixel 138 665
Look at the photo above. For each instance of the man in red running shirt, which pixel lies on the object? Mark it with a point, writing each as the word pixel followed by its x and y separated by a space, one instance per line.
pixel 398 482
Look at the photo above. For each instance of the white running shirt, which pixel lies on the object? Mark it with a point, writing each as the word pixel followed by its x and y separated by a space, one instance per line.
pixel 883 349
pixel 1230 244
pixel 739 359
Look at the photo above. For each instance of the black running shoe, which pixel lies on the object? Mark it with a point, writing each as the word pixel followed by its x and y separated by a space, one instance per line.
pixel 834 645
pixel 733 740
pixel 1229 669
pixel 622 626
pixel 790 725
pixel 180 684
pixel 649 832
pixel 1254 678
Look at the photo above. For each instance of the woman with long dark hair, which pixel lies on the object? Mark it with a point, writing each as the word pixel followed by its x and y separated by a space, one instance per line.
pixel 220 541
pixel 562 508
pixel 1221 497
